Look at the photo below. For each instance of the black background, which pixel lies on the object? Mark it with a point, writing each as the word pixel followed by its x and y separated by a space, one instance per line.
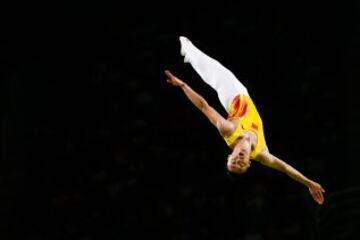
pixel 96 145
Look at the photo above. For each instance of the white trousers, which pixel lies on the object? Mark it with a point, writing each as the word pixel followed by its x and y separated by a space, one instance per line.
pixel 213 73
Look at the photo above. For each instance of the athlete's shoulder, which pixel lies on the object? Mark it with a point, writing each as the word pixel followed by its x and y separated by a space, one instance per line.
pixel 262 155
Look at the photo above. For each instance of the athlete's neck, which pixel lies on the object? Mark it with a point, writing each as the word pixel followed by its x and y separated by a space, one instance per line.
pixel 252 138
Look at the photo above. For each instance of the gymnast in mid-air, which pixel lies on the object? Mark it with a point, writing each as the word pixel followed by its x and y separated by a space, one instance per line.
pixel 242 129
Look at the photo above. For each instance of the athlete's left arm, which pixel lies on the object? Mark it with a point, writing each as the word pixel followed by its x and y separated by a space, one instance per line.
pixel 315 189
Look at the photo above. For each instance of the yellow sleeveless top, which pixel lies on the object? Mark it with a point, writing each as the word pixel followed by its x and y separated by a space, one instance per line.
pixel 243 107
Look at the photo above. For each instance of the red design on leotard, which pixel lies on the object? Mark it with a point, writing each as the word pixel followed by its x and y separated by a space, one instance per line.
pixel 238 107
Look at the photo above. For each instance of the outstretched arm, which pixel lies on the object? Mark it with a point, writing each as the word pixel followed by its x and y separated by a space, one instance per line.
pixel 224 127
pixel 315 189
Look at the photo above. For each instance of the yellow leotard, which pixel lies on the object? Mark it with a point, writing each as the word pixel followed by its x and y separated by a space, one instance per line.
pixel 242 107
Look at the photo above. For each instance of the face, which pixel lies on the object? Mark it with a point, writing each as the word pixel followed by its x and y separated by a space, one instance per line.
pixel 240 163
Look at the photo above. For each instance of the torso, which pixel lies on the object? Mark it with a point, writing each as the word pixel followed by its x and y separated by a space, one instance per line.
pixel 250 134
pixel 243 121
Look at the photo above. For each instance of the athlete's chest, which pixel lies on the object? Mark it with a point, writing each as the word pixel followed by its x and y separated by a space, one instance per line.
pixel 251 136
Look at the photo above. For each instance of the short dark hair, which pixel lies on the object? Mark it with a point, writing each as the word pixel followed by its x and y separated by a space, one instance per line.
pixel 233 176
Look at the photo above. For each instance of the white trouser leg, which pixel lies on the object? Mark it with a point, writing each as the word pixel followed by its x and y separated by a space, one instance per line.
pixel 213 73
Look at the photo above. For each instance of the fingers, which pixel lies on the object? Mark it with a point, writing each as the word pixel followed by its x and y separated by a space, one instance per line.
pixel 171 78
pixel 171 82
pixel 320 197
pixel 317 195
pixel 168 73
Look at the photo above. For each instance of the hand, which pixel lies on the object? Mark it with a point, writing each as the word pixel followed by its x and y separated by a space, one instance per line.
pixel 316 192
pixel 173 80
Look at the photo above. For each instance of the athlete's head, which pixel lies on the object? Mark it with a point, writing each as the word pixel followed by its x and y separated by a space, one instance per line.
pixel 240 163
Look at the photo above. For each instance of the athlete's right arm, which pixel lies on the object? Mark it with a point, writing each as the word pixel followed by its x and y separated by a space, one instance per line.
pixel 225 128
pixel 268 159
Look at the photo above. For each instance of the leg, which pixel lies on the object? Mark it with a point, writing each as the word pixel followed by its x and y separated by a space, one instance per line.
pixel 213 73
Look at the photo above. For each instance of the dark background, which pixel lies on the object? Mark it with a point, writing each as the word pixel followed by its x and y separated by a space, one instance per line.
pixel 96 145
